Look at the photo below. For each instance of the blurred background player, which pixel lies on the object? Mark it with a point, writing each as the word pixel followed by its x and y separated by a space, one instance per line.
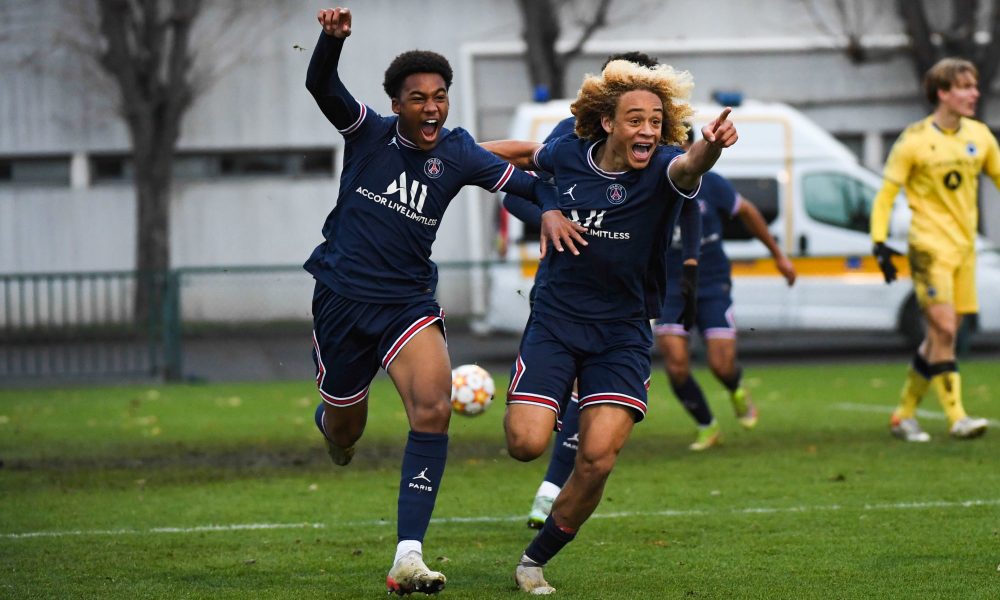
pixel 564 450
pixel 589 321
pixel 373 304
pixel 937 160
pixel 717 201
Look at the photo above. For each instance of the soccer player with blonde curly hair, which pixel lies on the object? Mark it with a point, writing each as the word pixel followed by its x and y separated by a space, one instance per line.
pixel 623 179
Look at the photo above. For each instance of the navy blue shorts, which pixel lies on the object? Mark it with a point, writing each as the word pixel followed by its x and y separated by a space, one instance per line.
pixel 714 317
pixel 609 360
pixel 351 340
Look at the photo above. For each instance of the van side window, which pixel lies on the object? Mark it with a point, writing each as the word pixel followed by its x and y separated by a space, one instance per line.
pixel 837 199
pixel 763 192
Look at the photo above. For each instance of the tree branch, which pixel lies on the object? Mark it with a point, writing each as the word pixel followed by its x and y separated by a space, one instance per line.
pixel 600 20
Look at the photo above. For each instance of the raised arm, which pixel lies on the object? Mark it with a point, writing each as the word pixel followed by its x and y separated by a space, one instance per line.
pixel 701 156
pixel 322 79
pixel 755 224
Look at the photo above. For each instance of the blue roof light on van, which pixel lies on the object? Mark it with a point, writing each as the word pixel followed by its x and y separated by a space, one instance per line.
pixel 728 97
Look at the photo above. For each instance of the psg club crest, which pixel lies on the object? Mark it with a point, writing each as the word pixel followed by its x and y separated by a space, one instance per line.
pixel 616 193
pixel 433 168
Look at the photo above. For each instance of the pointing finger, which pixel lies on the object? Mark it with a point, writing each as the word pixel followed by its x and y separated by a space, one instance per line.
pixel 722 118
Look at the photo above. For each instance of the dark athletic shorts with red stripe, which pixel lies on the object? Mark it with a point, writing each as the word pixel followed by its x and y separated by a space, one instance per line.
pixel 611 360
pixel 352 340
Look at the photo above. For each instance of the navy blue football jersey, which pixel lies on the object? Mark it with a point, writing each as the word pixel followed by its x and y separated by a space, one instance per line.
pixel 378 238
pixel 717 202
pixel 629 217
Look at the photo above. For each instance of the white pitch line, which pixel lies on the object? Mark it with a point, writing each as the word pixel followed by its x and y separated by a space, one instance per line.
pixel 197 529
pixel 497 519
pixel 923 414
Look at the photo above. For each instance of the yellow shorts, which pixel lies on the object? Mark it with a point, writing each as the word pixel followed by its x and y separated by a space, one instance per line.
pixel 945 278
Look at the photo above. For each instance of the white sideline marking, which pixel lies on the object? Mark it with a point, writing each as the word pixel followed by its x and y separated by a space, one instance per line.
pixel 488 519
pixel 197 529
pixel 923 414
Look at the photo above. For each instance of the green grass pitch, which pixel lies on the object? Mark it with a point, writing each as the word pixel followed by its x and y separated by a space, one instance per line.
pixel 225 491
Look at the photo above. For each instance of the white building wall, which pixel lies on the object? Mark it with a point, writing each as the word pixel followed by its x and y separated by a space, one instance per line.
pixel 51 104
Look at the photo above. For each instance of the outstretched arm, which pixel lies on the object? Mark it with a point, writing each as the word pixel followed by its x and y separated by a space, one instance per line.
pixel 322 78
pixel 516 152
pixel 686 170
pixel 755 224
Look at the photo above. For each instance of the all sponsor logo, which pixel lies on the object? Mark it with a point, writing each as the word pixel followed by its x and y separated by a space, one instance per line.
pixel 413 196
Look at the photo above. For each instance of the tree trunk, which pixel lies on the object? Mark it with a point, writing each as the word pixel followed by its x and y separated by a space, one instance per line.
pixel 153 165
pixel 147 52
pixel 541 31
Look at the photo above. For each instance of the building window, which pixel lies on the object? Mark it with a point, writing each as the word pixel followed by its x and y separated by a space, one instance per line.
pixel 855 142
pixel 35 170
pixel 310 162
pixel 888 139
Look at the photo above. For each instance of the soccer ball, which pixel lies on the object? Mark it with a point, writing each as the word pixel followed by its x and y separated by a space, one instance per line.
pixel 472 390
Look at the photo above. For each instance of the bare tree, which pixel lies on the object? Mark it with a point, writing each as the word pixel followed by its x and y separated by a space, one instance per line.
pixel 965 28
pixel 147 51
pixel 542 29
pixel 932 40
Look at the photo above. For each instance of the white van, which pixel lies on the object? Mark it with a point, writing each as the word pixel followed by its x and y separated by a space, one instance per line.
pixel 816 199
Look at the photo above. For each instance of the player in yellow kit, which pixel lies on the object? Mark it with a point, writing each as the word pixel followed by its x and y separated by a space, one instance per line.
pixel 938 161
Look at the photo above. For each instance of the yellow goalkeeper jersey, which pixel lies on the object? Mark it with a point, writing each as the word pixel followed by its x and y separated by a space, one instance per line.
pixel 940 172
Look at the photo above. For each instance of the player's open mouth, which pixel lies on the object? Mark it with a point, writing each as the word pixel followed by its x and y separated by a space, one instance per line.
pixel 642 151
pixel 429 128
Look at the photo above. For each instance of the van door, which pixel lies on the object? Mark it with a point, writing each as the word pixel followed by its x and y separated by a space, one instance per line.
pixel 839 283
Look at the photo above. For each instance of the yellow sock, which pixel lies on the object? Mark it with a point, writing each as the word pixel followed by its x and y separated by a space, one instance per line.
pixel 948 386
pixel 913 391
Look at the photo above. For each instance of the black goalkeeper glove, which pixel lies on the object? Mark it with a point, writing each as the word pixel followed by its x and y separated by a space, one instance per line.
pixel 689 293
pixel 883 254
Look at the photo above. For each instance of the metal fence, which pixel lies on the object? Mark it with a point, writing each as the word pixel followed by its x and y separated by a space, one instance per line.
pixel 81 325
pixel 88 326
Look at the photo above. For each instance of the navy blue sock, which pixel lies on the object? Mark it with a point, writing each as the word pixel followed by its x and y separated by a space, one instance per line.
pixel 564 452
pixel 549 541
pixel 423 466
pixel 319 417
pixel 733 383
pixel 693 400
pixel 921 366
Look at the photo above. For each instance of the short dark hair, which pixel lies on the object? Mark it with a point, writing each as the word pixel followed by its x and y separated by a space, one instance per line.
pixel 414 61
pixel 640 58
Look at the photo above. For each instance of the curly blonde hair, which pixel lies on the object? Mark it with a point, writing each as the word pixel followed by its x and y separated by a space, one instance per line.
pixel 598 97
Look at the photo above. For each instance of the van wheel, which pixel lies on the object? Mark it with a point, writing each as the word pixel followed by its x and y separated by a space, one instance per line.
pixel 911 322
